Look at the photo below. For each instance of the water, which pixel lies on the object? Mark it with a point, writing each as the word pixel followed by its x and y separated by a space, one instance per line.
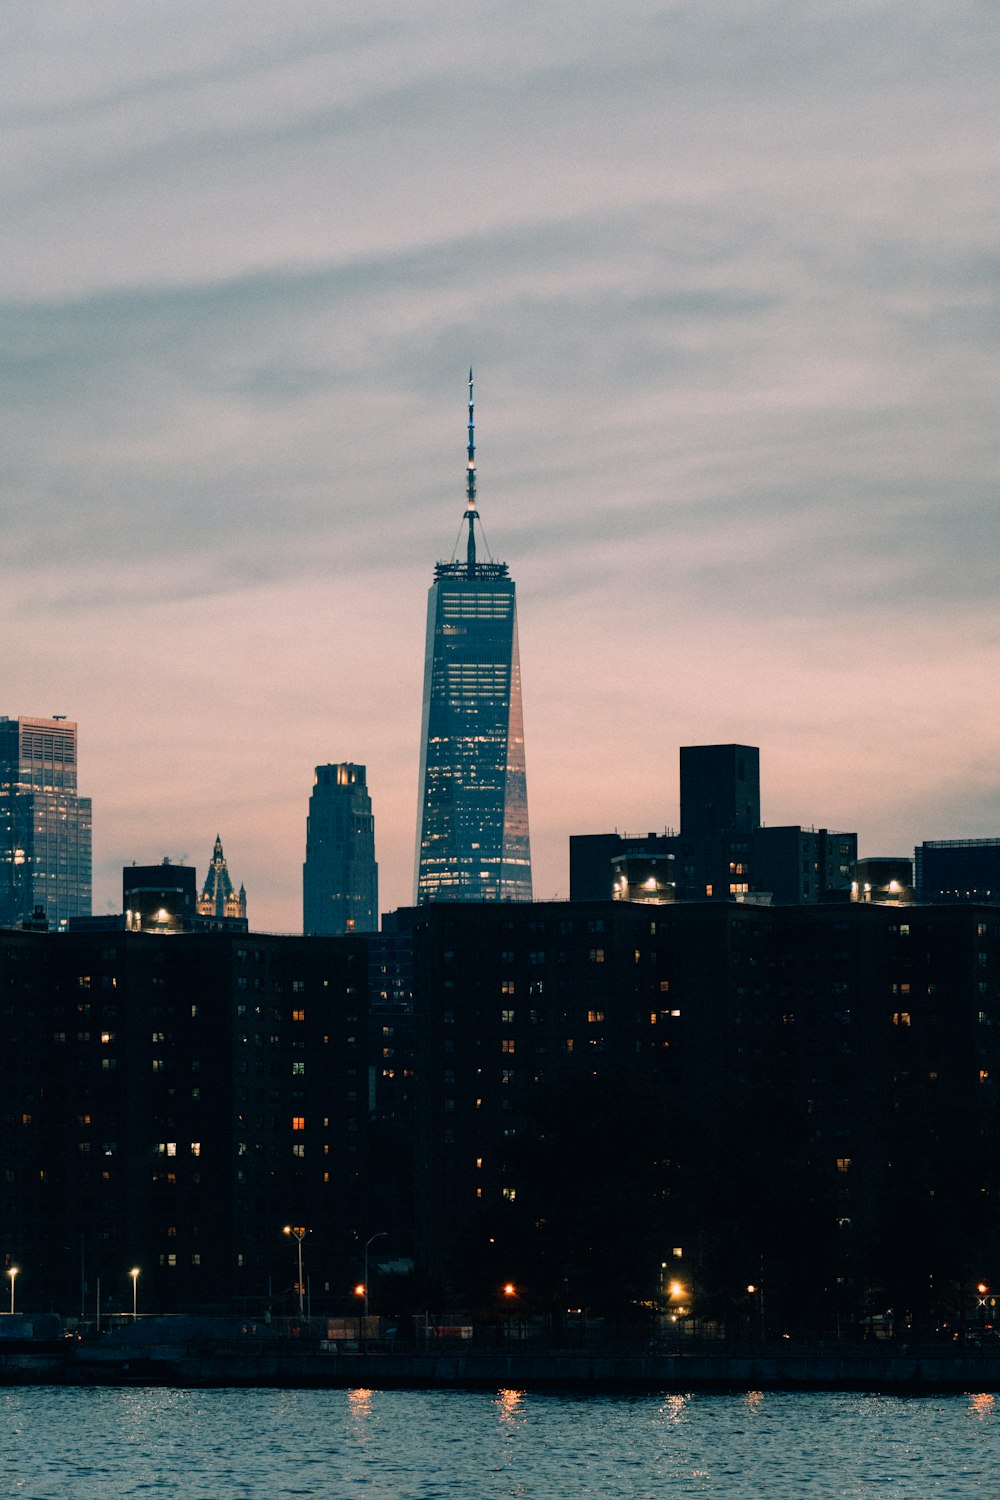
pixel 103 1444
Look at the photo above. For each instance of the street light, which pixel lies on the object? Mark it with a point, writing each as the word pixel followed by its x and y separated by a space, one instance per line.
pixel 12 1272
pixel 134 1273
pixel 298 1234
pixel 382 1234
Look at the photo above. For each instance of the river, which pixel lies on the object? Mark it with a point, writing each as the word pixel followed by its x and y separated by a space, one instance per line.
pixel 166 1444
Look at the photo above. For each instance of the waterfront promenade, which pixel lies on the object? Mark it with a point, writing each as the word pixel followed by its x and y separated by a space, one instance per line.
pixel 143 1356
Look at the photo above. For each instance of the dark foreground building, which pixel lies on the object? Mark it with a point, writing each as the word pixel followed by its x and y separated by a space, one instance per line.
pixel 588 1100
pixel 171 1102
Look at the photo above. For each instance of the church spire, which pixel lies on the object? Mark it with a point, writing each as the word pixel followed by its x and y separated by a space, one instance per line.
pixel 472 514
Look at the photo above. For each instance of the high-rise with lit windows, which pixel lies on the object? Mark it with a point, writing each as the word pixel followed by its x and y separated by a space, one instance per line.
pixel 45 826
pixel 472 814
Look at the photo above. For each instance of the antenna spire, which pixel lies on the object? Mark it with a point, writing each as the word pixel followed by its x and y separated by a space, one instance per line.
pixel 471 512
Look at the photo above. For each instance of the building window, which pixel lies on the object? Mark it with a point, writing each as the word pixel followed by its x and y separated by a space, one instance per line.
pixel 298 1122
pixel 507 1044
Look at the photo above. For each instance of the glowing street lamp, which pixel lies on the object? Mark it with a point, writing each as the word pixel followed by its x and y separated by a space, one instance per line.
pixel 134 1273
pixel 12 1272
pixel 298 1234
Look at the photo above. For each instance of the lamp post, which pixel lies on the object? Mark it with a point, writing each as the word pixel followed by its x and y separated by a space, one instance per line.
pixel 382 1234
pixel 134 1273
pixel 12 1272
pixel 298 1234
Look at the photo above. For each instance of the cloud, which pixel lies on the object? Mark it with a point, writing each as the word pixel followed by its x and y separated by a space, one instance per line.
pixel 728 277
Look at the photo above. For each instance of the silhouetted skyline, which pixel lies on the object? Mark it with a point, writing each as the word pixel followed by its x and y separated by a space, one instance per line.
pixel 726 275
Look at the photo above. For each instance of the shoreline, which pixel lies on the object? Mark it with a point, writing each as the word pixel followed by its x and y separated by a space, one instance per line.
pixel 114 1364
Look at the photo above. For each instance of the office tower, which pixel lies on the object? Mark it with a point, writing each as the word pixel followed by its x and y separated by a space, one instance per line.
pixel 340 876
pixel 218 898
pixel 472 812
pixel 45 826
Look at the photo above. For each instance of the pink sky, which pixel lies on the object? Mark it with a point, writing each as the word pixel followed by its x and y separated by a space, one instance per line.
pixel 727 276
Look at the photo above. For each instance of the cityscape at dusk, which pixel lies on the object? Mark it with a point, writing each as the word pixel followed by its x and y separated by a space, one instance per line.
pixel 729 287
pixel 499 780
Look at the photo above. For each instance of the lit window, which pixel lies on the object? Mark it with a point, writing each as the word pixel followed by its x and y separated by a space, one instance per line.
pixel 298 1015
pixel 507 1044
pixel 298 1122
pixel 843 1163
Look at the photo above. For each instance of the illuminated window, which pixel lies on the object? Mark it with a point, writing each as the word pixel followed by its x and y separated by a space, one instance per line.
pixel 596 955
pixel 510 1194
pixel 843 1163
pixel 901 1018
pixel 298 1122
pixel 298 1068
pixel 595 1016
pixel 298 1015
pixel 507 1044
pixel 171 1148
pixel 298 1150
pixel 507 1017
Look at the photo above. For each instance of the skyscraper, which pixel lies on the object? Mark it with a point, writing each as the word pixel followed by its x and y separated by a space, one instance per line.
pixel 340 876
pixel 45 826
pixel 472 815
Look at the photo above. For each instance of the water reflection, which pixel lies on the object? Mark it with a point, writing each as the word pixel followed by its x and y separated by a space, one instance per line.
pixel 510 1406
pixel 982 1404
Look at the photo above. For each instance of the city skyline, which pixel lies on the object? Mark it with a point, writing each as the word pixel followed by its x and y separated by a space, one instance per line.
pixel 727 279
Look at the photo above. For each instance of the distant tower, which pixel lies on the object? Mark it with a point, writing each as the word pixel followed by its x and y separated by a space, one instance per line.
pixel 218 899
pixel 45 826
pixel 472 815
pixel 340 876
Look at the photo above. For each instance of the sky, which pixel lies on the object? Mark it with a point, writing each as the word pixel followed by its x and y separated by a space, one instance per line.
pixel 727 271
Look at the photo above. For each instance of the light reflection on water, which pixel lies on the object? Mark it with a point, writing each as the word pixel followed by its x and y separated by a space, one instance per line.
pixel 108 1444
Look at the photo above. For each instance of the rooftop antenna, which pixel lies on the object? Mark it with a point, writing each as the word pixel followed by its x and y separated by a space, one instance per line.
pixel 472 514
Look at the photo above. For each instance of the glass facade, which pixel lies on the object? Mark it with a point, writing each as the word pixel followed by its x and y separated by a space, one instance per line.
pixel 45 826
pixel 472 840
pixel 340 876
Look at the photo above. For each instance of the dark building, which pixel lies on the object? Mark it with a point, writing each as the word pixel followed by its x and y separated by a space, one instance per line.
pixel 570 1096
pixel 720 790
pixel 171 1103
pixel 340 876
pixel 45 825
pixel 159 898
pixel 958 870
pixel 472 810
pixel 802 865
pixel 885 879
pixel 722 852
pixel 598 861
pixel 811 1087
